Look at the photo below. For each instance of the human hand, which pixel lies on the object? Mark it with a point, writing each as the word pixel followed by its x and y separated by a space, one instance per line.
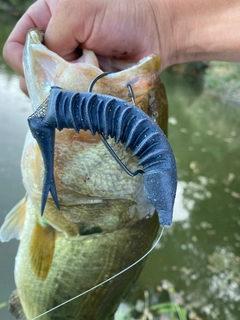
pixel 119 32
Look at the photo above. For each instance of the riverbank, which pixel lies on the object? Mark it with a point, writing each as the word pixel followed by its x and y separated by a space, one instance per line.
pixel 219 79
pixel 222 79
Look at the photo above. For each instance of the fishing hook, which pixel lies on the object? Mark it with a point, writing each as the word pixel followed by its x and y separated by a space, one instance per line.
pixel 104 140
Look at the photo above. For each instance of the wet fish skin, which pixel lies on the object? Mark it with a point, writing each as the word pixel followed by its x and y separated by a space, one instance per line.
pixel 101 228
pixel 93 259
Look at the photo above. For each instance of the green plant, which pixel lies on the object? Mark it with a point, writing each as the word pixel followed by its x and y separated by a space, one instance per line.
pixel 3 304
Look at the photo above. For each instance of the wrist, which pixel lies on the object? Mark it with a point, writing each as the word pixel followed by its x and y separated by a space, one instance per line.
pixel 199 30
pixel 164 17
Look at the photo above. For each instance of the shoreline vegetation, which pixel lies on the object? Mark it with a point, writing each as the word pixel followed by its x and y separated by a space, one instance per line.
pixel 219 79
pixel 14 8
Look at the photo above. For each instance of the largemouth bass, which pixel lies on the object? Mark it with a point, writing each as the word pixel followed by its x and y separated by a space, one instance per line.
pixel 106 222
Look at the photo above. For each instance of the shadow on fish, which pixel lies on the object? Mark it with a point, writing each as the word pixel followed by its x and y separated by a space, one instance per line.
pixel 98 219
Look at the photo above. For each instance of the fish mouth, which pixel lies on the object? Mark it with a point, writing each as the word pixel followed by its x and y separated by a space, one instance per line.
pixel 44 69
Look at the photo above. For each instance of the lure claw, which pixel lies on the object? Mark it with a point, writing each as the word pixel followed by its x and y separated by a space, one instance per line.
pixel 49 187
pixel 45 137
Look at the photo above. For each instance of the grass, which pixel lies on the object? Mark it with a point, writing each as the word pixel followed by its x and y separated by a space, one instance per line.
pixel 171 309
pixel 3 304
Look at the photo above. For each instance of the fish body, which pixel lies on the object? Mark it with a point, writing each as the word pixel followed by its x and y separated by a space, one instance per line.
pixel 106 221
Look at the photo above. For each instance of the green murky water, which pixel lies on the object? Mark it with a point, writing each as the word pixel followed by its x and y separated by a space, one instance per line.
pixel 200 254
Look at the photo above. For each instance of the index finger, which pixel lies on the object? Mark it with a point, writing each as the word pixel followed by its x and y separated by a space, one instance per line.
pixel 37 16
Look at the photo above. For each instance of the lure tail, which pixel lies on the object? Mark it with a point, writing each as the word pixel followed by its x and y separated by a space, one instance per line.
pixel 160 190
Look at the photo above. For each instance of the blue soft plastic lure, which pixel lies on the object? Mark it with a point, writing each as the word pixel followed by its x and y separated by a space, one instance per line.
pixel 115 118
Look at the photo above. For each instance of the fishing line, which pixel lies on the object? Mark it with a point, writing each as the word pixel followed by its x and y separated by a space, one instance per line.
pixel 107 280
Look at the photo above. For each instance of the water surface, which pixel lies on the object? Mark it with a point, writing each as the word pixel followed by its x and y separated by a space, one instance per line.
pixel 200 254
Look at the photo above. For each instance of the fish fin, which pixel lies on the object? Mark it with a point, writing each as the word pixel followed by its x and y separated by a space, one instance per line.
pixel 42 249
pixel 15 306
pixel 14 221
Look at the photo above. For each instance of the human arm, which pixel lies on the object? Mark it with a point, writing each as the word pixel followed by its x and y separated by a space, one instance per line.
pixel 124 31
pixel 202 30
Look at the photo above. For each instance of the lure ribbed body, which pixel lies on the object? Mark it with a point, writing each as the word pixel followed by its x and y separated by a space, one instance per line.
pixel 113 118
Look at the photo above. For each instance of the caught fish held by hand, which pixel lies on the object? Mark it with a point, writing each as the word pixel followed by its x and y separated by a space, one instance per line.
pixel 106 220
